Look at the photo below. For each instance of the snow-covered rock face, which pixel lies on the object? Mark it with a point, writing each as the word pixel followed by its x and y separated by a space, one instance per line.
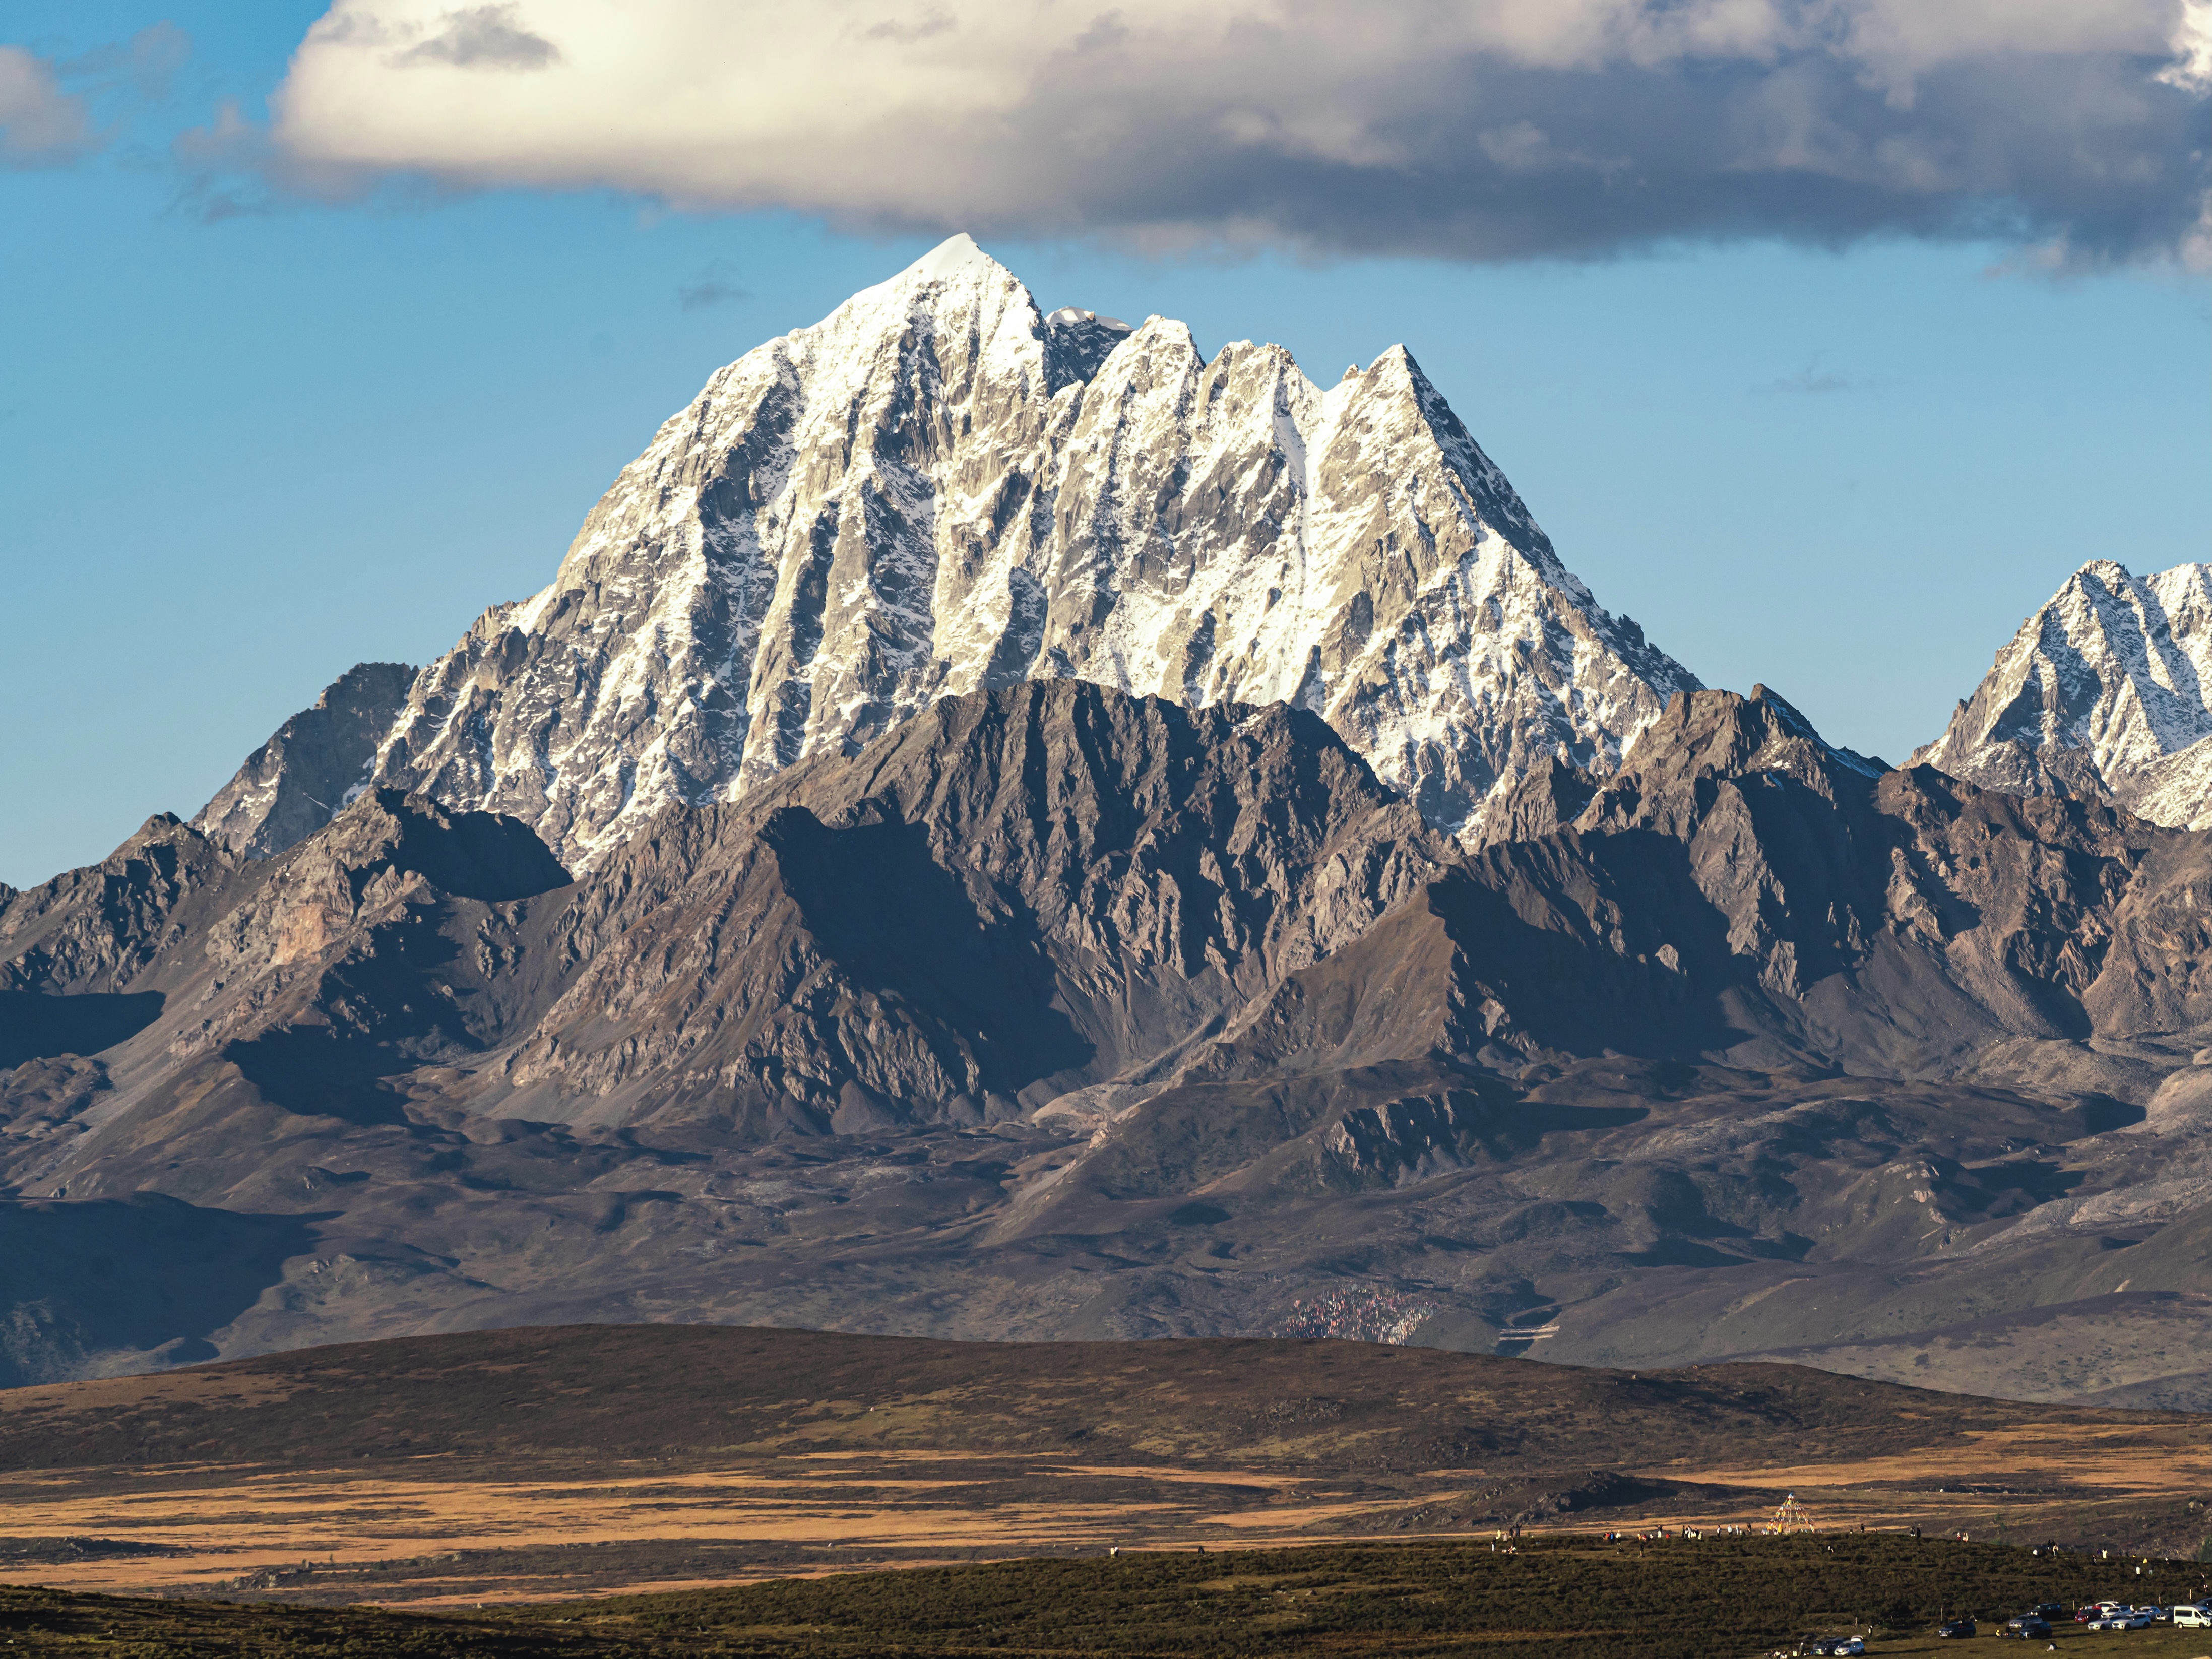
pixel 2106 691
pixel 940 489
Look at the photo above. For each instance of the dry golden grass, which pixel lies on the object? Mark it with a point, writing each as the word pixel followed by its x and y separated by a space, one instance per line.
pixel 218 1522
pixel 587 1461
pixel 250 1517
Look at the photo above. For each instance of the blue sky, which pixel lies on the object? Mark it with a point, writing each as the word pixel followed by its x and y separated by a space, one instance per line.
pixel 243 450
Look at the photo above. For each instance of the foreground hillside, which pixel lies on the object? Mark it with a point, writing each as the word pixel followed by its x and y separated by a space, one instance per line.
pixel 698 1392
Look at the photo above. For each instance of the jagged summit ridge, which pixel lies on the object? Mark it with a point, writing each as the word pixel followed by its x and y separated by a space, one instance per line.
pixel 942 488
pixel 2107 692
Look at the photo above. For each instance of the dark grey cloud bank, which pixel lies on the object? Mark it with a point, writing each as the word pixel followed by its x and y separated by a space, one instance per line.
pixel 1494 162
pixel 1487 129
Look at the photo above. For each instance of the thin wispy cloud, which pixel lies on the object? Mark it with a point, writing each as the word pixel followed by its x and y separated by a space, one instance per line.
pixel 222 169
pixel 56 111
pixel 1484 129
pixel 229 169
pixel 715 285
pixel 145 66
pixel 1814 380
pixel 41 125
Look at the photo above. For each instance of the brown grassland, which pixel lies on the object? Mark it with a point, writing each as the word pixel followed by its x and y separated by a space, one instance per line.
pixel 511 1470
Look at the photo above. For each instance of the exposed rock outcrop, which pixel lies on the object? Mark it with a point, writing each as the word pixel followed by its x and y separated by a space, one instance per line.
pixel 1015 895
pixel 317 762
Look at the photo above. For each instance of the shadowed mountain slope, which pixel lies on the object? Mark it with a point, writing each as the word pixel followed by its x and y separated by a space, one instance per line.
pixel 1059 1012
pixel 1012 896
pixel 317 762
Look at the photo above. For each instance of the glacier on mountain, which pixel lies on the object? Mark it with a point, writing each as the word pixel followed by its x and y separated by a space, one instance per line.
pixel 2104 692
pixel 940 488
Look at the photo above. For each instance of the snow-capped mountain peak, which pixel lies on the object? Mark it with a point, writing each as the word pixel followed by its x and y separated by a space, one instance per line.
pixel 2106 691
pixel 941 487
pixel 955 258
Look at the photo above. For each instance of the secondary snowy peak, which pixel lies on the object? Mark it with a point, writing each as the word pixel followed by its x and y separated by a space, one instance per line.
pixel 941 487
pixel 2106 691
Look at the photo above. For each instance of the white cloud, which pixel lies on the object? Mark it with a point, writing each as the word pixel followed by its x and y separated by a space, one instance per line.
pixel 2192 46
pixel 1465 128
pixel 40 126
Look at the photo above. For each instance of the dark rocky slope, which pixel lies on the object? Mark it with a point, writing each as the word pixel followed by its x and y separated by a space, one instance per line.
pixel 1012 896
pixel 1058 1012
pixel 311 768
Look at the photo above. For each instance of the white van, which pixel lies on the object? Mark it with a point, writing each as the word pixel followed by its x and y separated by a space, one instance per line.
pixel 2193 1616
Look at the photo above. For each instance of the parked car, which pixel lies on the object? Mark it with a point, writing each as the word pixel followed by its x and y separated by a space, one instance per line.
pixel 2027 1625
pixel 2193 1615
pixel 2122 1618
pixel 2051 1610
pixel 1957 1627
